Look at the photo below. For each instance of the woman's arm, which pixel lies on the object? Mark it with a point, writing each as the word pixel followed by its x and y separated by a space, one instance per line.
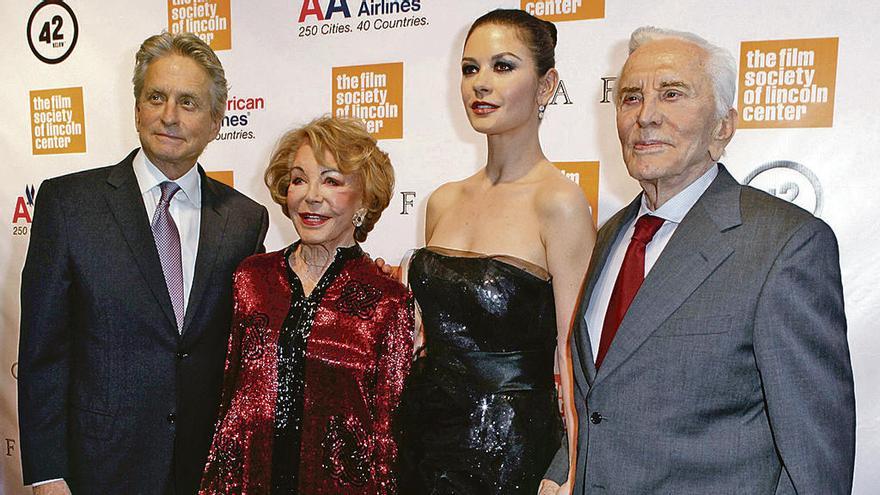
pixel 215 464
pixel 394 360
pixel 418 331
pixel 568 234
pixel 233 350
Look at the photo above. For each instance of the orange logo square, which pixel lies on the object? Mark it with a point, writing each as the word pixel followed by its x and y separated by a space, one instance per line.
pixel 586 175
pixel 787 83
pixel 208 19
pixel 564 10
pixel 224 176
pixel 373 93
pixel 57 121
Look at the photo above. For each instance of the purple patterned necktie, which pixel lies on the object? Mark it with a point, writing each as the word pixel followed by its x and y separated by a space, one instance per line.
pixel 168 244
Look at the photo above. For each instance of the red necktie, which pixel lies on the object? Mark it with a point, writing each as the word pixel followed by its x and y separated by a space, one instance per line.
pixel 629 279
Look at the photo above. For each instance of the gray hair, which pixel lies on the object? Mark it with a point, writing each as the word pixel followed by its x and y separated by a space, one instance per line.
pixel 721 66
pixel 186 45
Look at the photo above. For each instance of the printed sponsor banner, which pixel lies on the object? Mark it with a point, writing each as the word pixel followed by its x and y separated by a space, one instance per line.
pixel 237 124
pixel 317 18
pixel 23 212
pixel 787 83
pixel 564 10
pixel 225 176
pixel 791 181
pixel 586 175
pixel 210 20
pixel 52 31
pixel 57 121
pixel 373 93
pixel 799 144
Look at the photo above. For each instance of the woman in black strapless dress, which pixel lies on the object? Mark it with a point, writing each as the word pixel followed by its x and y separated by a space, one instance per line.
pixel 479 412
pixel 481 405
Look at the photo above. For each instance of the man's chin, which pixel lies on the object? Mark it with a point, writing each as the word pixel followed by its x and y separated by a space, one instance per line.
pixel 163 155
pixel 174 160
pixel 643 169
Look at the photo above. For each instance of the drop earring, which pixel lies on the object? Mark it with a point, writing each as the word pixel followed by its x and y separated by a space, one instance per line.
pixel 541 109
pixel 358 219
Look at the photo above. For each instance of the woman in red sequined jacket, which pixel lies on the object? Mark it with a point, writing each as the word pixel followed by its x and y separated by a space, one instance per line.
pixel 321 341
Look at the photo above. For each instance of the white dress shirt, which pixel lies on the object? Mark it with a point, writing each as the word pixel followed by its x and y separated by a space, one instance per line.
pixel 672 211
pixel 185 209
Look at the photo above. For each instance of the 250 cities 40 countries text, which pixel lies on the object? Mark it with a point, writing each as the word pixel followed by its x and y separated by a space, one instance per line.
pixel 329 17
pixel 364 25
pixel 324 29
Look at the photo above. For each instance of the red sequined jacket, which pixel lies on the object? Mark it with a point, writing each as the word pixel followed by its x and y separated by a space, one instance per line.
pixel 358 346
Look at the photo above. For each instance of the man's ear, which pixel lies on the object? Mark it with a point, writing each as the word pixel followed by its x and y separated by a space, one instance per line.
pixel 723 133
pixel 215 126
pixel 727 125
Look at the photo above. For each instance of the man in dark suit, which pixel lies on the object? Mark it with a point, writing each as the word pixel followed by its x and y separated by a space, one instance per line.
pixel 126 295
pixel 710 355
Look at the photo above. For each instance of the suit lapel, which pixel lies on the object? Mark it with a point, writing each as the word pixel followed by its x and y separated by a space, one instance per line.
pixel 212 227
pixel 604 242
pixel 127 205
pixel 695 250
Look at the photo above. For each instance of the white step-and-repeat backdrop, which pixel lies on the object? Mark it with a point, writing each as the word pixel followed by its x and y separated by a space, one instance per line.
pixel 808 132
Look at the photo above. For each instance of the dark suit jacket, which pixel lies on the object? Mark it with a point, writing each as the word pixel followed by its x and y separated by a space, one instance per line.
pixel 730 372
pixel 111 397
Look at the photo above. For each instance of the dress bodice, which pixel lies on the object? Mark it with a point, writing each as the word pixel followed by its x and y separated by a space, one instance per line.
pixel 480 412
pixel 488 303
pixel 311 383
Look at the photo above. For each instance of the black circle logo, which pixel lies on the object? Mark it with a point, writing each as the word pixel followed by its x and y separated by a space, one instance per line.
pixel 52 31
pixel 790 181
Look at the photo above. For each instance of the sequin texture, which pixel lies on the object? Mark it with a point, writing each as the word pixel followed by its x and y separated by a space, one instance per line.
pixel 358 299
pixel 254 340
pixel 347 450
pixel 312 384
pixel 479 411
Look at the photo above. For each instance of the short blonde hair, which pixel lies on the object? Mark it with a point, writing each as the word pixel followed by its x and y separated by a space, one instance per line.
pixel 355 151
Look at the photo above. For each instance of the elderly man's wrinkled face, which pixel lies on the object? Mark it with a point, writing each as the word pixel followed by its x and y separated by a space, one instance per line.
pixel 666 115
pixel 321 200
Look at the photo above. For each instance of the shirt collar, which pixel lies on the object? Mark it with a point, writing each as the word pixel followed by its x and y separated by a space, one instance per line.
pixel 149 176
pixel 679 205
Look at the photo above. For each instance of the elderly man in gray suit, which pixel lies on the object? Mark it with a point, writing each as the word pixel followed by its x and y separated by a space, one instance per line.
pixel 711 353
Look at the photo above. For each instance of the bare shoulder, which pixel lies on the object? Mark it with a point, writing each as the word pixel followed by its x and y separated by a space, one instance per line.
pixel 559 199
pixel 445 195
pixel 441 201
pixel 567 231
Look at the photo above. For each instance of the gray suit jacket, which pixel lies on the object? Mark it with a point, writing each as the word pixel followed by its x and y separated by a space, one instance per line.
pixel 111 397
pixel 730 372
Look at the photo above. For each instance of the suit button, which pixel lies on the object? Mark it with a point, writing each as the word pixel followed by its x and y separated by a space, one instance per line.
pixel 595 418
pixel 182 355
pixel 171 417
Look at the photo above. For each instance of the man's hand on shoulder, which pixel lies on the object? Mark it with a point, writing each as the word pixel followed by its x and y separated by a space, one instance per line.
pixel 52 488
pixel 389 270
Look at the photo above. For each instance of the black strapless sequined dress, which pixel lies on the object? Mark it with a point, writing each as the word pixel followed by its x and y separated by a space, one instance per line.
pixel 480 413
